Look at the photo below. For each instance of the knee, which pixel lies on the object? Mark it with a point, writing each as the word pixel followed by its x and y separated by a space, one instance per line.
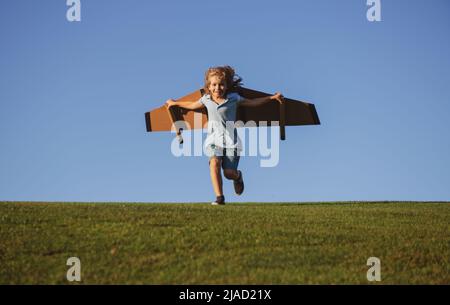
pixel 215 163
pixel 230 173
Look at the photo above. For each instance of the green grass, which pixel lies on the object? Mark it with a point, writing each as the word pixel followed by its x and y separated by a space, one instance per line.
pixel 277 243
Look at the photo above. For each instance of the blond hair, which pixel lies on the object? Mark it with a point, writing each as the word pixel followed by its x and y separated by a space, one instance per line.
pixel 232 80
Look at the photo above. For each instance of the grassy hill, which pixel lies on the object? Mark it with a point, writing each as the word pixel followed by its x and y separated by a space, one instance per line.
pixel 249 243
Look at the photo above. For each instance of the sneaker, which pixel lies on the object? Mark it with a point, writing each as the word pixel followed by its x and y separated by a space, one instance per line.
pixel 239 184
pixel 220 200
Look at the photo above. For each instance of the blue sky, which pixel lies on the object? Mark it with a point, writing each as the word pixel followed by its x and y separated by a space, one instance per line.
pixel 73 97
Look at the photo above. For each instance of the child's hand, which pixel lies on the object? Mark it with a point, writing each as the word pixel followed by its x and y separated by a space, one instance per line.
pixel 277 96
pixel 170 103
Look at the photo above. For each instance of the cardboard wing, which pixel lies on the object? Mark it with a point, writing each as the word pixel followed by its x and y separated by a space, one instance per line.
pixel 286 112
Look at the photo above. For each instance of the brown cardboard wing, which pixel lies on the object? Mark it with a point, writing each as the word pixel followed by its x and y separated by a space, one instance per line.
pixel 287 112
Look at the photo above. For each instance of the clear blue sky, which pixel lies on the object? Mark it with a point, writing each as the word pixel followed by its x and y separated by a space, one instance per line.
pixel 73 97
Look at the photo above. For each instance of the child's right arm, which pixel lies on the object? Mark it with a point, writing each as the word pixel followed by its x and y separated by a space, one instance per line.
pixel 185 105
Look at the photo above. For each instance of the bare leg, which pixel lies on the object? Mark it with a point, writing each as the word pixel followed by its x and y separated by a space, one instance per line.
pixel 216 175
pixel 231 174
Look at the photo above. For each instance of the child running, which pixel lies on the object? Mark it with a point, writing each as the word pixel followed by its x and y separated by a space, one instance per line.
pixel 222 144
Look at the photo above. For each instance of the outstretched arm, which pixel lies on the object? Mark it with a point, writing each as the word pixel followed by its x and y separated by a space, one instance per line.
pixel 185 105
pixel 260 101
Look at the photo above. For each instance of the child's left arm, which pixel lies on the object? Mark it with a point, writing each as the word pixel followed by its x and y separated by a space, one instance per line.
pixel 261 101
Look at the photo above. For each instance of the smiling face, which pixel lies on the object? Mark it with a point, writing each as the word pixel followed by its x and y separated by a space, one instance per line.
pixel 217 87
